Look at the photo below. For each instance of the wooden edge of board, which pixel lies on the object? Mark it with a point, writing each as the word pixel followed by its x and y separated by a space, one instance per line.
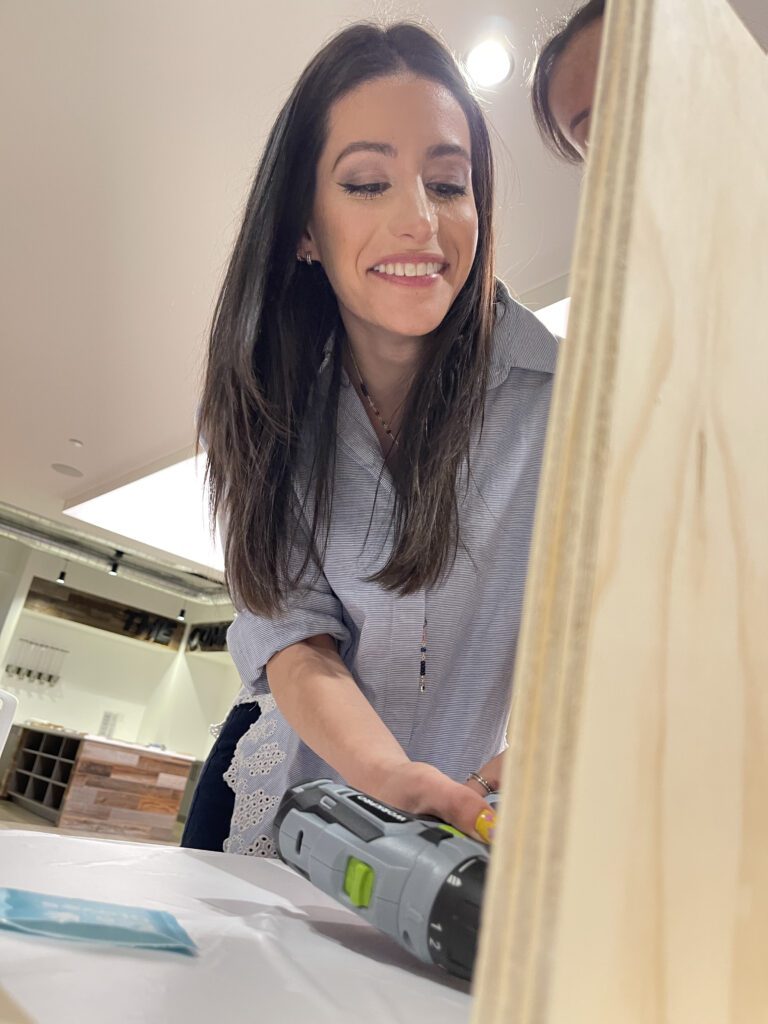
pixel 520 907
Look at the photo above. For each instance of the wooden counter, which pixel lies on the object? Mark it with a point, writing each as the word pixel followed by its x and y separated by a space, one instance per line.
pixel 93 784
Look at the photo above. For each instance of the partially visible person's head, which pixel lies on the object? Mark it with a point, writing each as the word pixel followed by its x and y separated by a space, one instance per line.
pixel 564 82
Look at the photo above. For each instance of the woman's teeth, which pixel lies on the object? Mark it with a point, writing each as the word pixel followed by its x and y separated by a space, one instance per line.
pixel 409 269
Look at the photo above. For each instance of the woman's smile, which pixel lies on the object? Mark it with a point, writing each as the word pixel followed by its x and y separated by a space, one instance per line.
pixel 418 271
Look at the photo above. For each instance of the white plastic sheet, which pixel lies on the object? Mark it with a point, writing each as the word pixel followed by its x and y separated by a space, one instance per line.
pixel 273 948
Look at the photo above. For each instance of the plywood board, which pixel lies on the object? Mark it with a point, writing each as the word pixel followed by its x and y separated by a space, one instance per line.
pixel 630 878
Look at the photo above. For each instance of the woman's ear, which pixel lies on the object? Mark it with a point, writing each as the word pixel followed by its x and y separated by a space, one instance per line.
pixel 307 247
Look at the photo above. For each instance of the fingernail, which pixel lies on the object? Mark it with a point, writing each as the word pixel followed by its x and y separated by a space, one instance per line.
pixel 486 825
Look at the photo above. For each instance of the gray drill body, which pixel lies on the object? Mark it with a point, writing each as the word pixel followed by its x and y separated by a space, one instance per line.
pixel 407 862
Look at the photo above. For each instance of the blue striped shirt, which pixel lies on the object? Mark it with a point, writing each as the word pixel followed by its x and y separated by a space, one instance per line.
pixel 459 721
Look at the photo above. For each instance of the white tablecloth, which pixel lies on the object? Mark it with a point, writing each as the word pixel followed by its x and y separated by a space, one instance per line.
pixel 273 948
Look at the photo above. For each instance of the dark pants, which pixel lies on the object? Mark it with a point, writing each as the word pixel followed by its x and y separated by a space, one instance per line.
pixel 210 812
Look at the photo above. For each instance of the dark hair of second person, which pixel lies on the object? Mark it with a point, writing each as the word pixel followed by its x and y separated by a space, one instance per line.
pixel 563 82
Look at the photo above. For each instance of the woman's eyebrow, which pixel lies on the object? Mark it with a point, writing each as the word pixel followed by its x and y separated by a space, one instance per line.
pixel 361 147
pixel 443 149
pixel 581 116
pixel 448 149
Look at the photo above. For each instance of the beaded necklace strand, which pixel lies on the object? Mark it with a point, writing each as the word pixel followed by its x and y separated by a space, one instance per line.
pixel 366 392
pixel 395 444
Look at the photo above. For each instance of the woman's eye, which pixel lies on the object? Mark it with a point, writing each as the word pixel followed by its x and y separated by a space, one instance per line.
pixel 446 191
pixel 367 191
pixel 443 190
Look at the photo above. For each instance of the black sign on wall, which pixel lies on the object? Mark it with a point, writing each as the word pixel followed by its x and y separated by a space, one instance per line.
pixel 209 636
pixel 152 628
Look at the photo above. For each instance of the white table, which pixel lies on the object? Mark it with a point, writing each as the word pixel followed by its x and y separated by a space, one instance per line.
pixel 273 948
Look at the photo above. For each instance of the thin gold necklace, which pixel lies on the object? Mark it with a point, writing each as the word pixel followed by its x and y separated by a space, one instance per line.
pixel 371 402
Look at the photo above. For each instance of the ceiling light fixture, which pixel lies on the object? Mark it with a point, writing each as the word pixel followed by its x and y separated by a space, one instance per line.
pixel 63 573
pixel 116 563
pixel 489 63
pixel 180 617
pixel 65 470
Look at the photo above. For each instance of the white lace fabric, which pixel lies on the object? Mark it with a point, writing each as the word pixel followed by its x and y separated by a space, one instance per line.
pixel 255 758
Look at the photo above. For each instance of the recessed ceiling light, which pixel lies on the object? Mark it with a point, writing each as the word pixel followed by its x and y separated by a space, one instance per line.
pixel 75 443
pixel 59 467
pixel 489 63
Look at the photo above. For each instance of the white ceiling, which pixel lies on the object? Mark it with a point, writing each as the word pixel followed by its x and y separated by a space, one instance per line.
pixel 129 136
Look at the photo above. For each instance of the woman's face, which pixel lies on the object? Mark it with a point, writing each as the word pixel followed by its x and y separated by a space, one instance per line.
pixel 573 83
pixel 394 222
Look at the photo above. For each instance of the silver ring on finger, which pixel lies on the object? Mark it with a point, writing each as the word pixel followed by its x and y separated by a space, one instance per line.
pixel 483 782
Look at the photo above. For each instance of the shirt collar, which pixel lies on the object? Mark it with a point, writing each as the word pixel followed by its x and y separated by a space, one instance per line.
pixel 519 340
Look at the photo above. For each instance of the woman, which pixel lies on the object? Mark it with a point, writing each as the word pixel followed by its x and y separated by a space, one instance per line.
pixel 564 82
pixel 374 413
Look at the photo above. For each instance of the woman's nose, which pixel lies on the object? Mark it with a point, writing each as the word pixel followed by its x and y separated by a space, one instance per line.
pixel 414 215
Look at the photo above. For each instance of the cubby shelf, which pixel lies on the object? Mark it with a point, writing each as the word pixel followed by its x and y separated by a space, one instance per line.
pixel 41 772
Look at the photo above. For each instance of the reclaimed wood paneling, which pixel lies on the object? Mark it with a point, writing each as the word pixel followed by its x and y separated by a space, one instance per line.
pixel 124 791
pixel 62 602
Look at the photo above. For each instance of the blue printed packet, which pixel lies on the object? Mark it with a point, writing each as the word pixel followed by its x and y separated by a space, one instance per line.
pixel 63 917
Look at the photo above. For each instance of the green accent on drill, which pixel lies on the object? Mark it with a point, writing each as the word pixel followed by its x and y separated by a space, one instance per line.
pixel 358 882
pixel 453 831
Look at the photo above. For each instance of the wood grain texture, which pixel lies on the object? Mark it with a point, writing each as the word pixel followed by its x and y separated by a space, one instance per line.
pixel 630 877
pixel 123 791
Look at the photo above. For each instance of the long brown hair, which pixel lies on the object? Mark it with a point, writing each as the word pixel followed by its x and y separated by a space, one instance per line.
pixel 273 318
pixel 548 57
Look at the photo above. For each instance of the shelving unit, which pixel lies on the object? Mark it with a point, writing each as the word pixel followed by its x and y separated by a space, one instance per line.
pixel 41 772
pixel 97 785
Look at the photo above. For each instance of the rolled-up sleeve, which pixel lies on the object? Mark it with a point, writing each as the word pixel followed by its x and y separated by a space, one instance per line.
pixel 312 610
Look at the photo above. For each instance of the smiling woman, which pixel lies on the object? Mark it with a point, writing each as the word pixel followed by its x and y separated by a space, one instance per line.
pixel 361 352
pixel 422 202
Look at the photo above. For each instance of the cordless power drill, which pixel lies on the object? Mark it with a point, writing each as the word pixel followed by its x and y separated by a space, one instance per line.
pixel 417 879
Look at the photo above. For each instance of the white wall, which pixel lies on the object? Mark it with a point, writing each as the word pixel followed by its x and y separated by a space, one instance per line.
pixel 196 693
pixel 102 672
pixel 161 696
pixel 14 559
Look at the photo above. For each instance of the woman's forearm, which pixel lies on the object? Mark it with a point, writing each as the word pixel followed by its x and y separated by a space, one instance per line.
pixel 322 702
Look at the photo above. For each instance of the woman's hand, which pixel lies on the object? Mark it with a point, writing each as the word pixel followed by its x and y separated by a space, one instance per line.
pixel 491 772
pixel 420 788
